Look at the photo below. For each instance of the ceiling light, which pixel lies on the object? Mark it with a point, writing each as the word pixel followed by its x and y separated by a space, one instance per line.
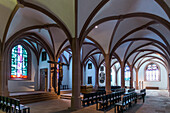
pixel 96 27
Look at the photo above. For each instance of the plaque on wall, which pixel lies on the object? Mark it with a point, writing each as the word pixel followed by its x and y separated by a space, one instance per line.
pixel 44 56
pixel 90 66
pixel 102 77
pixel 102 68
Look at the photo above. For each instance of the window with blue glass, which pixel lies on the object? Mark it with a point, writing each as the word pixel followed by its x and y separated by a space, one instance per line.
pixel 127 73
pixel 19 62
pixel 152 72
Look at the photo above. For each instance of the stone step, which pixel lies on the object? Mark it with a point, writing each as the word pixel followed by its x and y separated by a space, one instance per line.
pixel 37 97
pixel 65 96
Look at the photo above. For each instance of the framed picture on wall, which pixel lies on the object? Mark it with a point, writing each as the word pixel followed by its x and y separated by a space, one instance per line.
pixel 102 68
pixel 44 56
pixel 89 65
pixel 89 80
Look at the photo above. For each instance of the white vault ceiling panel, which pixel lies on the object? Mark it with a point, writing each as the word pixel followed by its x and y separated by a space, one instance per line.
pixel 27 17
pixel 6 8
pixel 85 8
pixel 103 34
pixel 63 9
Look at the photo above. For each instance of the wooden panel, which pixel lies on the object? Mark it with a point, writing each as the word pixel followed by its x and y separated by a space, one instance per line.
pixel 152 87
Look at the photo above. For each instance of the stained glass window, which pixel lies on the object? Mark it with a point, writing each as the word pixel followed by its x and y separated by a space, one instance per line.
pixel 127 73
pixel 152 72
pixel 19 61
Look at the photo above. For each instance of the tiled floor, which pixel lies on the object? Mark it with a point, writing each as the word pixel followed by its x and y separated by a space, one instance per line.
pixel 159 102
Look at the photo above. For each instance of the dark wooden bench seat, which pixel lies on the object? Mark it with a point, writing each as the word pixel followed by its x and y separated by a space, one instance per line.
pixel 92 98
pixel 142 94
pixel 126 102
pixel 12 105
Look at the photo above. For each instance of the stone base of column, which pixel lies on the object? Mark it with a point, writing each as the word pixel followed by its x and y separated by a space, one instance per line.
pixel 169 92
pixel 95 87
pixel 108 92
pixel 75 103
pixel 4 93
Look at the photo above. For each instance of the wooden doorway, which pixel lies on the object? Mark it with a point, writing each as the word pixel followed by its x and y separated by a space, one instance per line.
pixel 43 79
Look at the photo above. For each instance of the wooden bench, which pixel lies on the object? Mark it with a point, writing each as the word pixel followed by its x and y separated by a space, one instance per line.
pixel 126 102
pixel 12 105
pixel 63 87
pixel 121 90
pixel 131 90
pixel 92 98
pixel 142 94
pixel 108 100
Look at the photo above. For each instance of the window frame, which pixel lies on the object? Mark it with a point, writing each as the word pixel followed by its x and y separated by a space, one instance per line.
pixel 159 73
pixel 28 63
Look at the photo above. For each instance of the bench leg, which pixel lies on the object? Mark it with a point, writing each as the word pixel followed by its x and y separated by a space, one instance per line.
pixel 28 110
pixel 121 109
pixel 24 110
pixel 143 98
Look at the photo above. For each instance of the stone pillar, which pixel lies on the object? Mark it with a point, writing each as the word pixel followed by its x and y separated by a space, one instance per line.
pixel 131 76
pixel 49 78
pixel 51 89
pixel 3 78
pixel 75 99
pixel 137 79
pixel 108 77
pixel 97 77
pixel 116 74
pixel 122 75
pixel 82 73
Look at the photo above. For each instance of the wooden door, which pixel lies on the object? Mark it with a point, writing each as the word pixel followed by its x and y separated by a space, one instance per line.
pixel 43 79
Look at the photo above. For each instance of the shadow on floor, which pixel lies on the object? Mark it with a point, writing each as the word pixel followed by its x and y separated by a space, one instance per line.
pixel 134 108
pixel 63 111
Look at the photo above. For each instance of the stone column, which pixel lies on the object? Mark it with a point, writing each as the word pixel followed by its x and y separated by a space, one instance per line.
pixel 1 76
pixel 97 78
pixel 131 76
pixel 4 79
pixel 137 79
pixel 82 73
pixel 122 75
pixel 75 99
pixel 108 77
pixel 116 74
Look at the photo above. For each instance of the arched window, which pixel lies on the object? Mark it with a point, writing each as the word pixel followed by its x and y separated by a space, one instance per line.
pixel 127 73
pixel 152 72
pixel 19 63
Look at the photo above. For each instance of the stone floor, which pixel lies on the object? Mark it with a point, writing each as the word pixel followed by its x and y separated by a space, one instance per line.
pixel 157 101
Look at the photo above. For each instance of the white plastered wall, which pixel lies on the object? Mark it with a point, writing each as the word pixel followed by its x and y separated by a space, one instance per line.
pixel 90 73
pixel 162 84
